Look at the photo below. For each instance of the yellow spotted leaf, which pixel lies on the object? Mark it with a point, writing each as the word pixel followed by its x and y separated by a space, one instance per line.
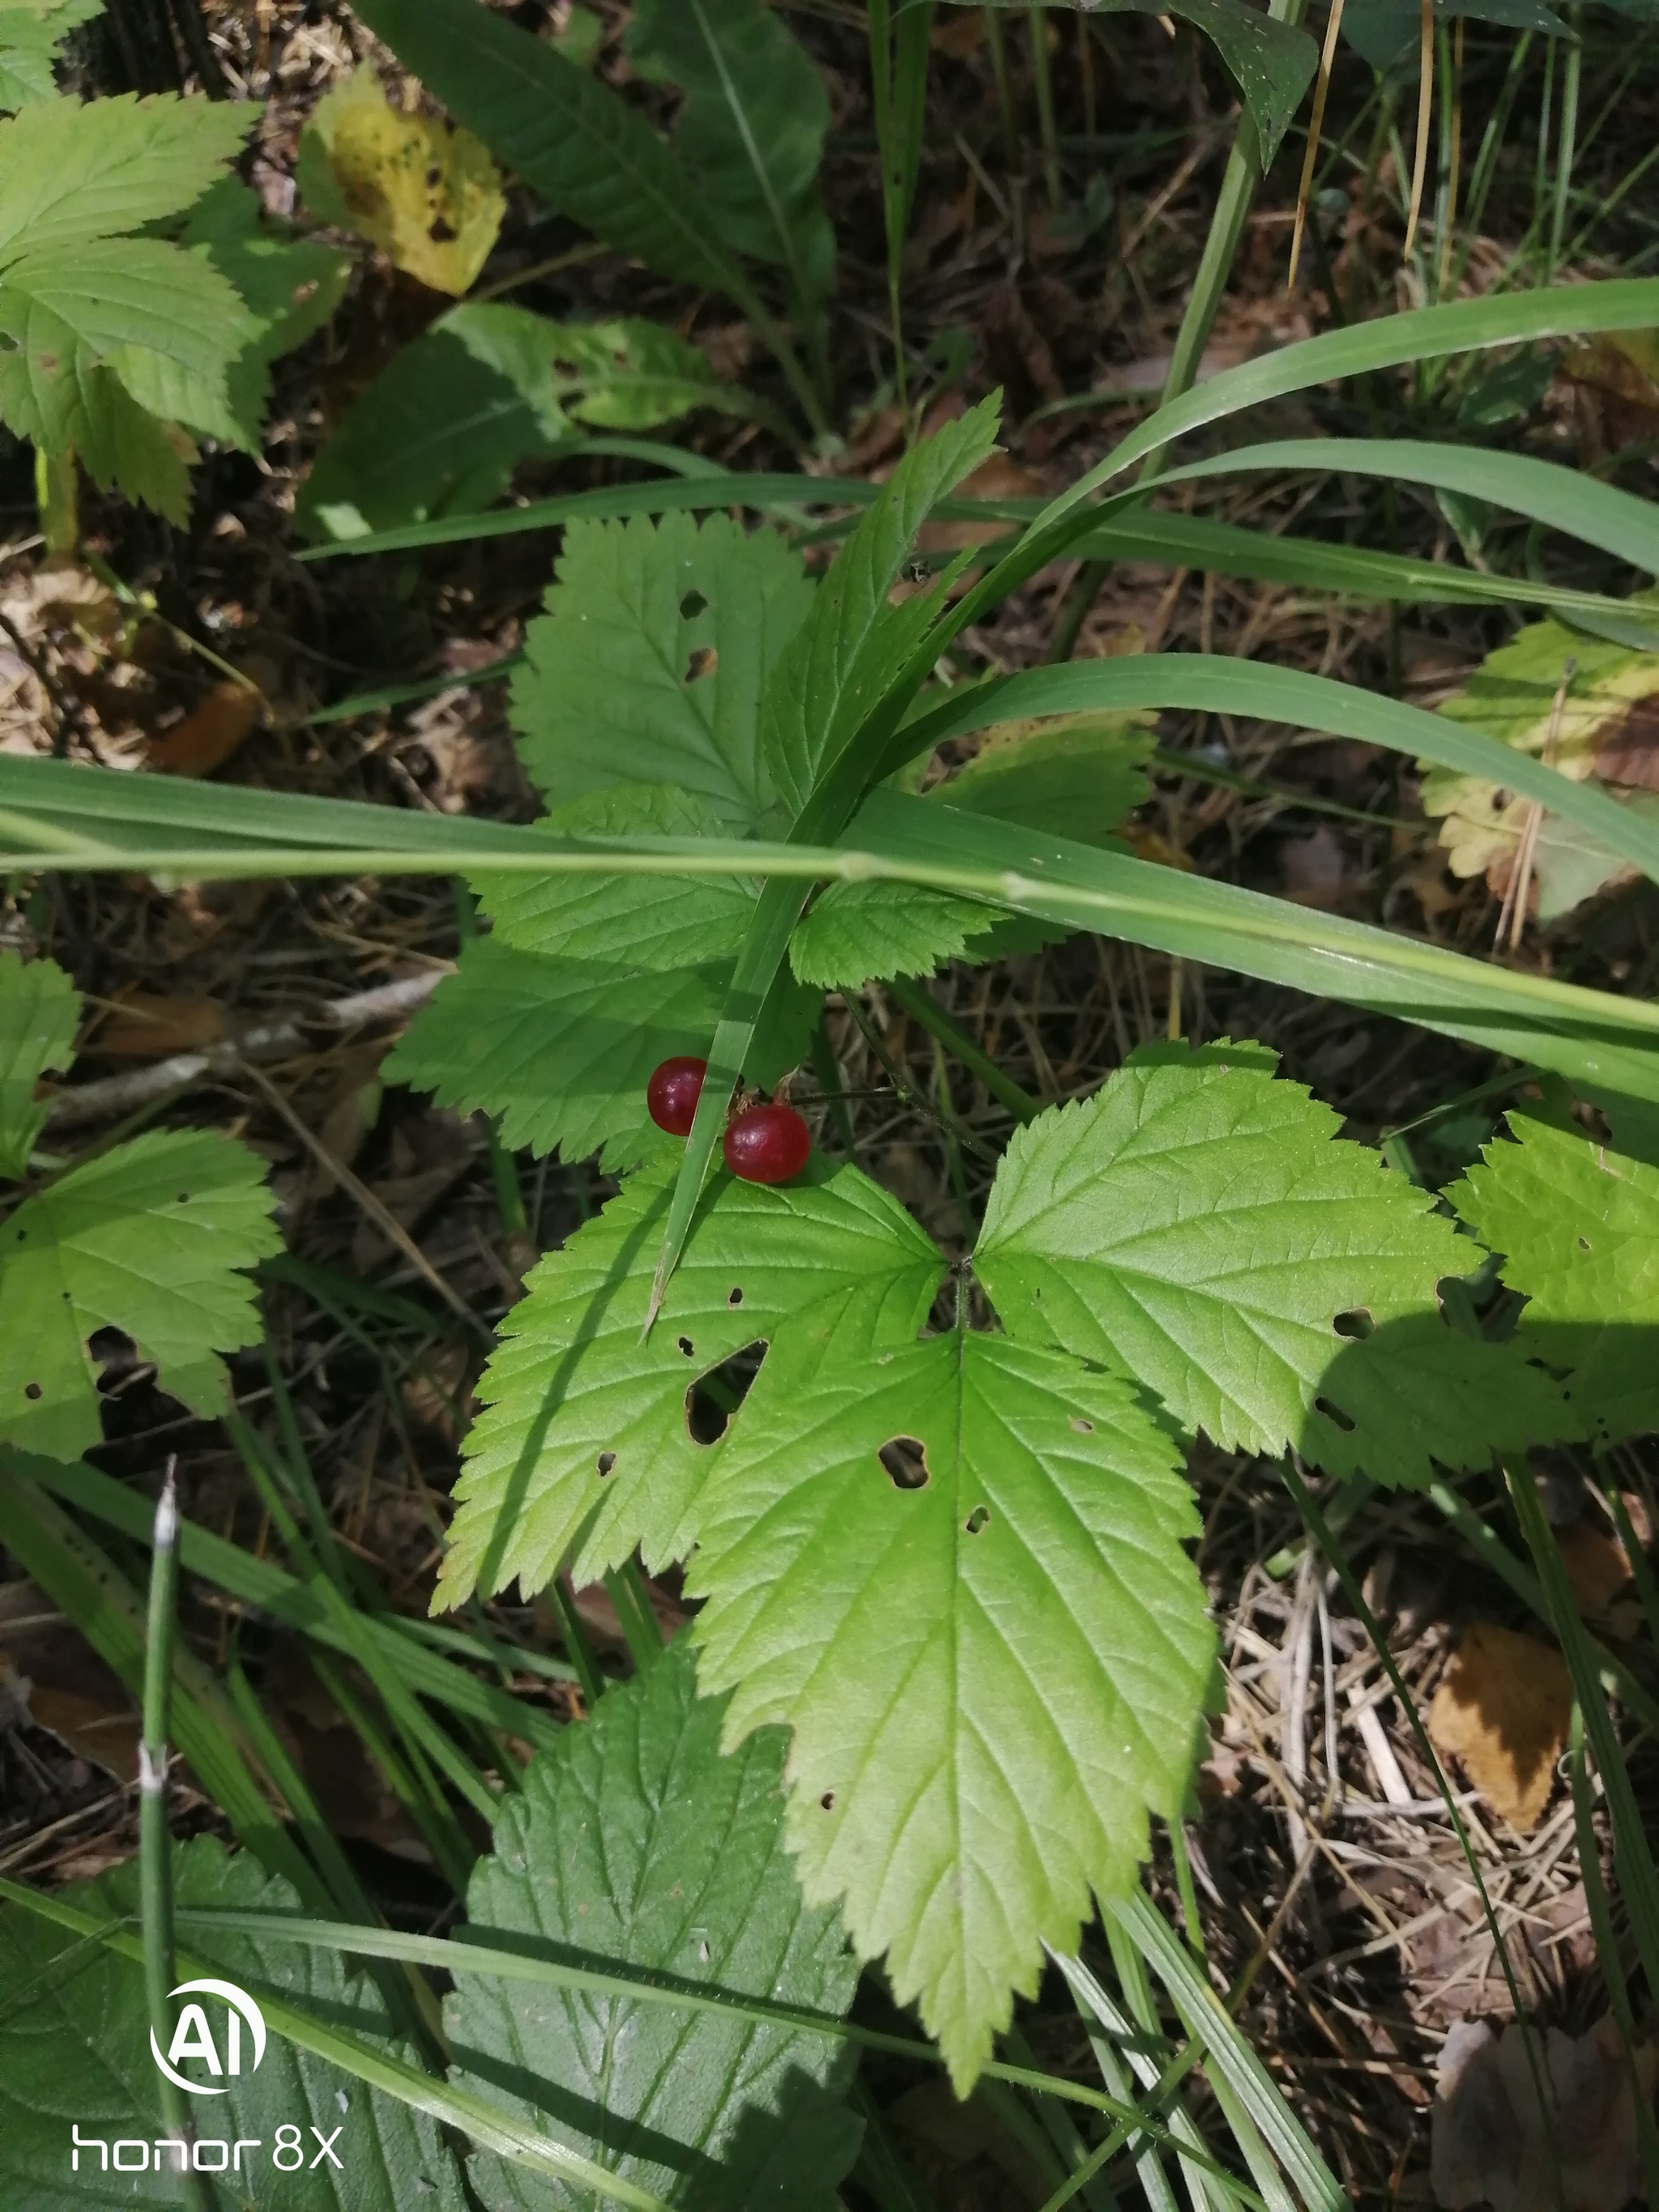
pixel 424 191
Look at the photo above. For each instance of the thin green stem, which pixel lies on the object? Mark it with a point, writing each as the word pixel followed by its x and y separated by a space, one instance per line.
pixel 154 1838
pixel 918 1001
pixel 573 1636
pixel 641 1628
pixel 1564 155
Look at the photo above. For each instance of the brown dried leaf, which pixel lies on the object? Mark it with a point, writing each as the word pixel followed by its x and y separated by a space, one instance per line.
pixel 1597 1569
pixel 1489 2142
pixel 219 727
pixel 53 1675
pixel 150 1026
pixel 1502 1710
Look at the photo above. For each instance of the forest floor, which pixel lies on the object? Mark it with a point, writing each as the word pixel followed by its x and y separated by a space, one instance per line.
pixel 1327 1877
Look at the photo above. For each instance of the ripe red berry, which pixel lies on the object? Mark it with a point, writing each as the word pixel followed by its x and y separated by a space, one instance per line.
pixel 673 1093
pixel 769 1144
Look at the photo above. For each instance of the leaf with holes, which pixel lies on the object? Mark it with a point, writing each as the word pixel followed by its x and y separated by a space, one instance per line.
pixel 636 1844
pixel 39 1013
pixel 151 1239
pixel 595 1442
pixel 1576 1224
pixel 954 1569
pixel 649 664
pixel 1199 1225
pixel 76 2044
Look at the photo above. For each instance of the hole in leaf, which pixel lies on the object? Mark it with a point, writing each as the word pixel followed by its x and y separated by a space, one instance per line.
pixel 712 1400
pixel 828 1801
pixel 32 1392
pixel 1356 1326
pixel 702 662
pixel 1584 1244
pixel 183 1198
pixel 434 177
pixel 442 233
pixel 606 1462
pixel 905 1461
pixel 692 606
pixel 1083 1428
pixel 978 1519
pixel 1334 1414
pixel 686 1347
pixel 734 1296
pixel 565 369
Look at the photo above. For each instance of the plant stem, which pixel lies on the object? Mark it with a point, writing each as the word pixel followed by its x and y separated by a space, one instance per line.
pixel 998 51
pixel 1045 100
pixel 1563 151
pixel 56 497
pixel 641 1627
pixel 917 1000
pixel 578 1650
pixel 155 1841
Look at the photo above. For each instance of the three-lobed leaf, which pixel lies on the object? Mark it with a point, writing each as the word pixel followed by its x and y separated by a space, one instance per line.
pixel 636 1844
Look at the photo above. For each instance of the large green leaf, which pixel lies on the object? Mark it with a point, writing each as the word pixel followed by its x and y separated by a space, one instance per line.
pixel 39 1012
pixel 70 175
pixel 650 662
pixel 856 933
pixel 74 2050
pixel 954 1569
pixel 56 394
pixel 151 1239
pixel 586 1440
pixel 751 128
pixel 856 641
pixel 637 1844
pixel 1199 1225
pixel 1577 1222
pixel 442 428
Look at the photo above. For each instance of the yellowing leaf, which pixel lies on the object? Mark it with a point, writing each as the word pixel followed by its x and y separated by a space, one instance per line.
pixel 424 191
pixel 1502 1710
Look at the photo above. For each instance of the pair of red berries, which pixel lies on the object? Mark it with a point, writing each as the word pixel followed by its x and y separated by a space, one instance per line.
pixel 763 1144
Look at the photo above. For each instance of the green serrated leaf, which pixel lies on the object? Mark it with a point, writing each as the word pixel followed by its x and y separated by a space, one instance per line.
pixel 751 128
pixel 1576 1224
pixel 39 1012
pixel 635 1841
pixel 30 37
pixel 847 653
pixel 1198 1224
pixel 856 933
pixel 989 1644
pixel 70 175
pixel 649 664
pixel 151 1239
pixel 658 923
pixel 1078 776
pixel 560 1050
pixel 586 1440
pixel 75 2048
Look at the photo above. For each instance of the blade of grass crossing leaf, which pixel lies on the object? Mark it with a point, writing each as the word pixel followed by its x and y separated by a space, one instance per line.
pixel 1229 2054
pixel 154 1840
pixel 1606 1948
pixel 451 2107
pixel 84 1583
pixel 1638 1878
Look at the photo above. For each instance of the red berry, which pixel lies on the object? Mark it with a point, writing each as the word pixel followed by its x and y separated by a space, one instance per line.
pixel 672 1094
pixel 769 1144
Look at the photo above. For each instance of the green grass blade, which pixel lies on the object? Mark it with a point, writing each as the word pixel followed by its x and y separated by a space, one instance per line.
pixel 1217 683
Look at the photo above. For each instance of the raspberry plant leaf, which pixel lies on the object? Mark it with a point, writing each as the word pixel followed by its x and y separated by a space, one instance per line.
pixel 75 2046
pixel 636 1843
pixel 955 1571
pixel 854 934
pixel 30 37
pixel 1198 1224
pixel 39 1013
pixel 1577 1222
pixel 856 641
pixel 150 1238
pixel 70 176
pixel 586 1441
pixel 649 664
